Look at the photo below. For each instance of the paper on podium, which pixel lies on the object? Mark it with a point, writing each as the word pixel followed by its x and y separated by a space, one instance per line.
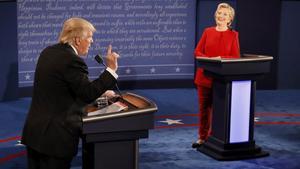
pixel 114 107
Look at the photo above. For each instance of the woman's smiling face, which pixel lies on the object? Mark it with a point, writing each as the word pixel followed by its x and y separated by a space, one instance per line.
pixel 223 17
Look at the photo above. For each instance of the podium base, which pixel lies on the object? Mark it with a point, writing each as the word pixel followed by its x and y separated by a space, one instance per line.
pixel 230 152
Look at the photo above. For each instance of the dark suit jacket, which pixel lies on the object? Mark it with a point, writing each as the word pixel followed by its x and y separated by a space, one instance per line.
pixel 61 90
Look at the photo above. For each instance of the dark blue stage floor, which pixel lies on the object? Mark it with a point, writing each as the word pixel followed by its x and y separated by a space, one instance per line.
pixel 277 130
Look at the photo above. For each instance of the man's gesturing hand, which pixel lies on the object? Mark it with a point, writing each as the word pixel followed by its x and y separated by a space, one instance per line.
pixel 111 58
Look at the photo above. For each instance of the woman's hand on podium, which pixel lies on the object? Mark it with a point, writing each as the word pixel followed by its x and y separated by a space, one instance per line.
pixel 216 57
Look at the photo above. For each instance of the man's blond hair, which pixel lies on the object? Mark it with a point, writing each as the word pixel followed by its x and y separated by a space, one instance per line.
pixel 75 28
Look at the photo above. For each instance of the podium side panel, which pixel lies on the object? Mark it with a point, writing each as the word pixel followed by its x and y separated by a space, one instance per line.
pixel 221 107
pixel 252 111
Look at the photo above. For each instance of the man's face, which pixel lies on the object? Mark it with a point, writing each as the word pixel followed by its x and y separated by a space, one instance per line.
pixel 84 44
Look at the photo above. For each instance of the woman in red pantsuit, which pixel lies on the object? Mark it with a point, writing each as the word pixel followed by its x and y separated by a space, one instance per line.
pixel 218 41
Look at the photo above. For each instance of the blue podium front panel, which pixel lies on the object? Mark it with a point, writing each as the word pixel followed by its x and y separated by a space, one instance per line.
pixel 240 111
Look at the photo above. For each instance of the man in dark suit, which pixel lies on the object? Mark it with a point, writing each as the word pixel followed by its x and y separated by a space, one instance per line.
pixel 61 90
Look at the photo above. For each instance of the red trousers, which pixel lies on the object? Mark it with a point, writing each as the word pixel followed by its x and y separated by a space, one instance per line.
pixel 205 111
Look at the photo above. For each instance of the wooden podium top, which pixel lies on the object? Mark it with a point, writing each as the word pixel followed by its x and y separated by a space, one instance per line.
pixel 242 67
pixel 244 58
pixel 136 105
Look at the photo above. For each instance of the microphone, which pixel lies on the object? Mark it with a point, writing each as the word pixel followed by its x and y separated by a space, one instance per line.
pixel 99 59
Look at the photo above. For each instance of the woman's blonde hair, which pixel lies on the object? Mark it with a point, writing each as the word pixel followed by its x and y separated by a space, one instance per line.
pixel 75 27
pixel 231 11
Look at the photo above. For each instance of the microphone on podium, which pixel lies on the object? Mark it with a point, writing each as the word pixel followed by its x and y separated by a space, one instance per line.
pixel 99 59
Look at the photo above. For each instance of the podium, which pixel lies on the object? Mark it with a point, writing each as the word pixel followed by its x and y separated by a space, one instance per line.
pixel 111 140
pixel 234 85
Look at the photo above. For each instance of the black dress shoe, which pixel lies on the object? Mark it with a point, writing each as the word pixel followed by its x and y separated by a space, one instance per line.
pixel 196 145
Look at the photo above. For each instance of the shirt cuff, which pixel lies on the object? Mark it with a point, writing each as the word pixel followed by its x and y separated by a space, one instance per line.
pixel 113 73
